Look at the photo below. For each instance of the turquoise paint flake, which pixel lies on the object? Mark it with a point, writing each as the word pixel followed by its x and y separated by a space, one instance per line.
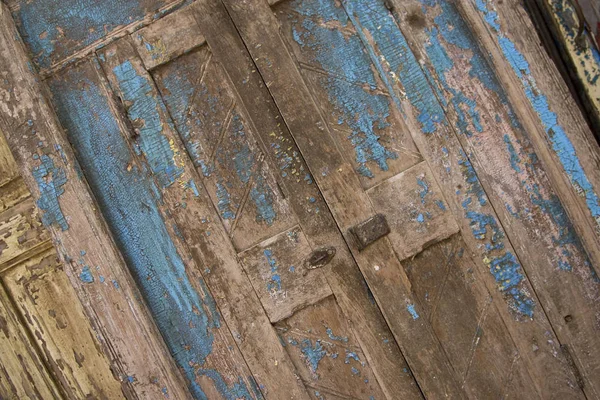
pixel 350 82
pixel 50 180
pixel 334 337
pixel 86 275
pixel 128 202
pixel 561 144
pixel 144 111
pixel 411 310
pixel 274 283
pixel 313 354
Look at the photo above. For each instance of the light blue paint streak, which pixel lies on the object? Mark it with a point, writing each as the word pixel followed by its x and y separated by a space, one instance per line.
pixel 561 144
pixel 411 310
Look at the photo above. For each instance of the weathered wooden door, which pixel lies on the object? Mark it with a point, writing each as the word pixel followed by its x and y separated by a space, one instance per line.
pixel 300 199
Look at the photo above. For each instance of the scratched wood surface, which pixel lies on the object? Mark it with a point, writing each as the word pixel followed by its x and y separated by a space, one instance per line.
pixel 232 151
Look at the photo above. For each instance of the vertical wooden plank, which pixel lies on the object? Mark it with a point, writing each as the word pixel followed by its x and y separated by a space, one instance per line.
pixel 22 373
pixel 316 221
pixel 51 311
pixel 558 131
pixel 567 151
pixel 198 226
pixel 49 168
pixel 343 191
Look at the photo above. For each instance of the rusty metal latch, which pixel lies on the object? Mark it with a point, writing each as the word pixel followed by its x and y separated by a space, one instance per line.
pixel 370 230
pixel 320 257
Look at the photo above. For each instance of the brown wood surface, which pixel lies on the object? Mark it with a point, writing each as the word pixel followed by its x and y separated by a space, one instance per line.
pixel 128 335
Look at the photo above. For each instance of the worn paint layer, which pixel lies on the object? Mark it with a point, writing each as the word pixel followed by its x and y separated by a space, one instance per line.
pixel 350 82
pixel 389 48
pixel 129 201
pixel 55 29
pixel 50 178
pixel 556 134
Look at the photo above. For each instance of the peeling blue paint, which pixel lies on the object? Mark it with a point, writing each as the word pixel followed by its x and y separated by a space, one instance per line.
pixel 350 81
pixel 143 110
pixel 86 275
pixel 128 201
pixel 334 337
pixel 313 354
pixel 45 25
pixel 50 180
pixel 395 60
pixel 561 144
pixel 274 283
pixel 262 196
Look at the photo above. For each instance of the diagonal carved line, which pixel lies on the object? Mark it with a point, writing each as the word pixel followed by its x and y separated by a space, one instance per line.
pixel 475 342
pixel 438 298
pixel 224 128
pixel 199 81
pixel 308 67
pixel 258 169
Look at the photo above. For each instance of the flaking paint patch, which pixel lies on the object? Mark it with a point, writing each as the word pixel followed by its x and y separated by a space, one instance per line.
pixel 128 201
pixel 561 144
pixel 350 81
pixel 452 31
pixel 55 29
pixel 143 110
pixel 389 50
pixel 50 180
pixel 391 45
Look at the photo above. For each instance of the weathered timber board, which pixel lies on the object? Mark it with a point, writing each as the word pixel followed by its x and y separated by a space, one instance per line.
pixel 160 262
pixel 22 372
pixel 49 305
pixel 517 291
pixel 326 353
pixel 568 152
pixel 48 166
pixel 186 202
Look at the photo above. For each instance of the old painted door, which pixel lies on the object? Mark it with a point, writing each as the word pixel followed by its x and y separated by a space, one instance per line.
pixel 300 199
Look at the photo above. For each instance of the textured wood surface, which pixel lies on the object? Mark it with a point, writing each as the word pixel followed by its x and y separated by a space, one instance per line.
pixel 236 149
pixel 47 165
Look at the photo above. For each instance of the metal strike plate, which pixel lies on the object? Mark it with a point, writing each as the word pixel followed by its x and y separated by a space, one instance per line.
pixel 320 257
pixel 370 230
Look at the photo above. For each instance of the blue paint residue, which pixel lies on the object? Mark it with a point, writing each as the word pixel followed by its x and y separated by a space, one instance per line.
pixel 262 196
pixel 395 61
pixel 334 337
pixel 274 283
pixel 561 144
pixel 144 110
pixel 312 353
pixel 55 29
pixel 50 180
pixel 350 81
pixel 411 310
pixel 86 275
pixel 129 204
